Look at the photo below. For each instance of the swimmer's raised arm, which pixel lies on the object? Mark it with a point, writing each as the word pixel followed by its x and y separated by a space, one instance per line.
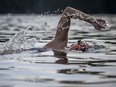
pixel 76 14
pixel 61 37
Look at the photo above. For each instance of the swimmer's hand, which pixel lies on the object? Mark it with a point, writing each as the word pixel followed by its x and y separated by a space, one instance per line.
pixel 100 24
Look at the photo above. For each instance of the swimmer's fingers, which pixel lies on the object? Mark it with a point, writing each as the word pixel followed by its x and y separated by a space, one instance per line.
pixel 100 24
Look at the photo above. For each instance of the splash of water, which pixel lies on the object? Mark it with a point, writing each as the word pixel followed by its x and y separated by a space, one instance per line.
pixel 17 43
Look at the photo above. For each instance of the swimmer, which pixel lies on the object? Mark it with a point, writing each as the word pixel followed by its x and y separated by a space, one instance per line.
pixel 61 37
pixel 59 43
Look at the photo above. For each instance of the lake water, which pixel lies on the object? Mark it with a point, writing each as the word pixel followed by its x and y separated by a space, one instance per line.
pixel 43 69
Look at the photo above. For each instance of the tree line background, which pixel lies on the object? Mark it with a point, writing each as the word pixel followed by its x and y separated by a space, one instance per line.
pixel 41 6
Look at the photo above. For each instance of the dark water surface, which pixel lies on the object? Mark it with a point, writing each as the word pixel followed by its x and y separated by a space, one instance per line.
pixel 77 69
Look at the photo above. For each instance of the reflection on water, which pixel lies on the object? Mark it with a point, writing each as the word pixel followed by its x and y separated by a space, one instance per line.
pixel 44 69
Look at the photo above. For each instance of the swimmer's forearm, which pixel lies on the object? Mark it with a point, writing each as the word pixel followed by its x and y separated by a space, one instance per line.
pixel 76 14
pixel 85 17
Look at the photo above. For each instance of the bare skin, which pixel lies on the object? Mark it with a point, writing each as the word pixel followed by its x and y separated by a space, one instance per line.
pixel 61 37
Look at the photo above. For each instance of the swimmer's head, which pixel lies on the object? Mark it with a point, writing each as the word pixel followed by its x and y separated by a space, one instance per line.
pixel 80 46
